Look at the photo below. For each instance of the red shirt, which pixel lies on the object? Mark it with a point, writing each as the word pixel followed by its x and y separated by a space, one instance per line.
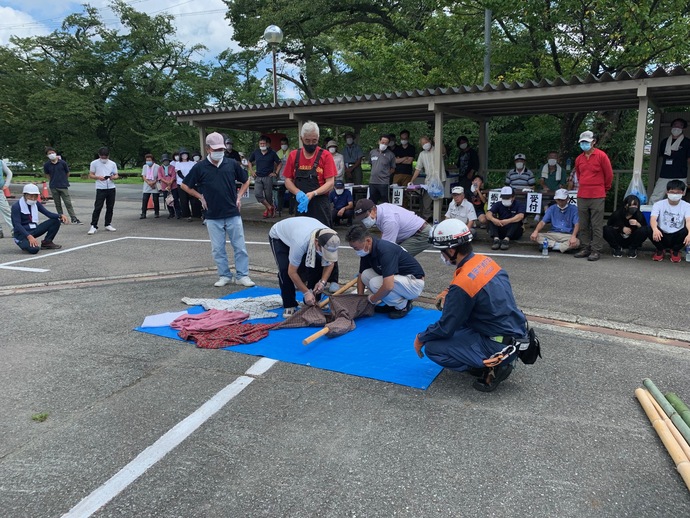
pixel 594 174
pixel 325 168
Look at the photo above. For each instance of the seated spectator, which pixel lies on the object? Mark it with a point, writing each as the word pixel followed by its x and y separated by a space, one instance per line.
pixel 396 224
pixel 626 228
pixel 552 174
pixel 520 178
pixel 478 199
pixel 670 222
pixel 26 226
pixel 343 207
pixel 392 276
pixel 505 219
pixel 339 160
pixel 462 209
pixel 565 224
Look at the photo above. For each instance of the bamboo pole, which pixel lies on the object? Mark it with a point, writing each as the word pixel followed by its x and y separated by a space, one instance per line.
pixel 672 428
pixel 679 406
pixel 342 290
pixel 679 458
pixel 683 428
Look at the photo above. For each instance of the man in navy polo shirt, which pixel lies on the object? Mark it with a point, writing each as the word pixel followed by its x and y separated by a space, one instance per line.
pixel 343 207
pixel 505 219
pixel 57 171
pixel 217 178
pixel 267 164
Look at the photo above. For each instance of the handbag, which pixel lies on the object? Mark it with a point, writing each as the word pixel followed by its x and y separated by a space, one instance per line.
pixel 169 200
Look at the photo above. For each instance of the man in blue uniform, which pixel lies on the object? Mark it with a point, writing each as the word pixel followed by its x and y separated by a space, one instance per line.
pixel 480 316
pixel 26 225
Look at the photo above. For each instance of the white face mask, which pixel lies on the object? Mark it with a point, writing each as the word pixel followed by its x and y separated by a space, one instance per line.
pixel 52 156
pixel 552 162
pixel 473 188
pixel 176 158
pixel 349 141
pixel 676 132
pixel 31 203
pixel 519 166
pixel 332 150
pixel 263 148
pixel 383 147
pixel 368 222
pixel 507 203
pixel 339 191
pixel 217 155
pixel 362 252
pixel 103 160
pixel 463 145
pixel 427 146
pixel 404 142
pixel 674 197
pixel 196 158
pixel 284 147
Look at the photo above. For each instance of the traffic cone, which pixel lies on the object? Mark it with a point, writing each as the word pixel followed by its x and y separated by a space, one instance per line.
pixel 45 194
pixel 6 192
pixel 150 204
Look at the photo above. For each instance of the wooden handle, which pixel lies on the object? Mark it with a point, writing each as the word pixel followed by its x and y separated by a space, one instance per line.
pixel 349 285
pixel 316 335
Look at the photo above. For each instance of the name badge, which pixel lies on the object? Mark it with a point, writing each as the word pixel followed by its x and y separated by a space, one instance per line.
pixel 374 158
pixel 669 161
pixel 32 225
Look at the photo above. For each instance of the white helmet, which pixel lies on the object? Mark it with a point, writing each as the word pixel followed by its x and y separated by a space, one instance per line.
pixel 30 188
pixel 450 233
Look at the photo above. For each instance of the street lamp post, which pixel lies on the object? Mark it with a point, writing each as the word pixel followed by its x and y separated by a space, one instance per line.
pixel 273 36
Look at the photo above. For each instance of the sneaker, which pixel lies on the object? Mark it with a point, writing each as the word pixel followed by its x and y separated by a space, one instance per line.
pixel 497 244
pixel 505 244
pixel 675 256
pixel 143 216
pixel 222 281
pixel 288 312
pixel 658 255
pixel 75 221
pixel 384 309
pixel 110 228
pixel 594 256
pixel 266 213
pixel 245 281
pixel 49 245
pixel 632 253
pixel 334 287
pixel 92 230
pixel 583 253
pixel 490 383
pixel 400 313
pixel 618 252
pixel 2 234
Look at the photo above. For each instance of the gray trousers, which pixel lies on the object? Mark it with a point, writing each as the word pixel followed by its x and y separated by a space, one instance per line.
pixel 417 242
pixel 591 214
pixel 60 195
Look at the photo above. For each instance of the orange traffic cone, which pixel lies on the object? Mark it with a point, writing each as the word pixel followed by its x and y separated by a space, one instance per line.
pixel 45 194
pixel 150 204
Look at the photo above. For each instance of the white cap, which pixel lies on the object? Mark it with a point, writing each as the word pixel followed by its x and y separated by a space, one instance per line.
pixel 520 156
pixel 30 188
pixel 586 136
pixel 560 194
pixel 506 191
pixel 457 190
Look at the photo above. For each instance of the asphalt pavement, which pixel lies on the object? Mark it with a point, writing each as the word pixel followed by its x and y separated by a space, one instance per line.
pixel 564 437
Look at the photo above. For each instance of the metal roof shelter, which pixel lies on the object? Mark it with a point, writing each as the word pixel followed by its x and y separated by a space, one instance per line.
pixel 640 90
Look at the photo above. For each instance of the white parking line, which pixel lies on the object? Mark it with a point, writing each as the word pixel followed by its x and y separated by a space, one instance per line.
pixel 24 269
pixel 159 449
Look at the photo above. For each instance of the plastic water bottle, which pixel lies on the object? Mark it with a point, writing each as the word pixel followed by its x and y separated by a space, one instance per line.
pixel 545 247
pixel 687 254
pixel 568 164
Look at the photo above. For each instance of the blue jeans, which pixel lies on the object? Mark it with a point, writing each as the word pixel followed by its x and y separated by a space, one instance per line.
pixel 232 227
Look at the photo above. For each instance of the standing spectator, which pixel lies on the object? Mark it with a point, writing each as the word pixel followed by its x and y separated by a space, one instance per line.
pixel 468 162
pixel 57 170
pixel 167 178
pixel 382 167
pixel 26 226
pixel 339 160
pixel 552 177
pixel 674 153
pixel 149 174
pixel 670 223
pixel 5 180
pixel 405 154
pixel 564 224
pixel 626 228
pixel 433 170
pixel 478 199
pixel 190 207
pixel 353 159
pixel 520 178
pixel 595 176
pixel 104 171
pixel 267 165
pixel 462 209
pixel 284 196
pixel 341 198
pixel 505 219
pixel 216 177
pixel 230 152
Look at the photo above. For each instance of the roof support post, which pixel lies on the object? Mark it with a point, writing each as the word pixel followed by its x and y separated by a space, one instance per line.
pixel 438 156
pixel 653 173
pixel 483 146
pixel 642 113
pixel 202 139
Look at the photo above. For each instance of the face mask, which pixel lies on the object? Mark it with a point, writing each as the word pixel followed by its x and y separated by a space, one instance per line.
pixel 383 147
pixel 552 162
pixel 52 156
pixel 263 148
pixel 349 141
pixel 507 203
pixel 368 222
pixel 176 157
pixel 149 163
pixel 446 261
pixel 104 160
pixel 228 147
pixel 362 253
pixel 473 188
pixel 284 147
pixel 427 146
pixel 675 197
pixel 519 166
pixel 404 142
pixel 463 145
pixel 166 163
pixel 196 158
pixel 217 155
pixel 339 191
pixel 632 210
pixel 391 145
pixel 31 203
pixel 309 148
pixel 585 146
pixel 676 132
pixel 332 150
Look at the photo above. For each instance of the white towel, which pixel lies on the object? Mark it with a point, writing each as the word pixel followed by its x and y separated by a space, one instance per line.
pixel 545 172
pixel 32 210
pixel 672 145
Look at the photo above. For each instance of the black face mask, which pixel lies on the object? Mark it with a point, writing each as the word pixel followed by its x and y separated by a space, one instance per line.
pixel 632 210
pixel 309 148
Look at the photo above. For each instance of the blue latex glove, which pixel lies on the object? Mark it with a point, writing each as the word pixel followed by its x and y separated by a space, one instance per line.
pixel 302 201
